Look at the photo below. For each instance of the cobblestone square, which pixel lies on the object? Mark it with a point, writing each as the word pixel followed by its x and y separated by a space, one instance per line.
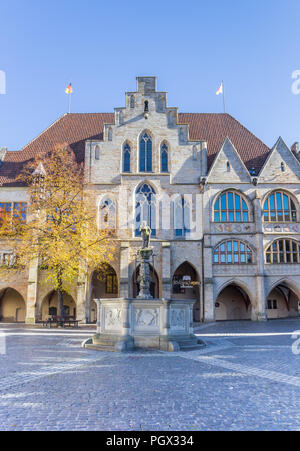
pixel 247 378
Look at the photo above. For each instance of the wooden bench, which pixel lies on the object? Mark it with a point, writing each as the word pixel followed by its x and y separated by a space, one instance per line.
pixel 61 322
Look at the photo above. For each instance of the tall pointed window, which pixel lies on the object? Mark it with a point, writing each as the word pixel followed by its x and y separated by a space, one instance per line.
pixel 164 158
pixel 182 217
pixel 126 157
pixel 145 153
pixel 231 207
pixel 107 215
pixel 280 207
pixel 145 208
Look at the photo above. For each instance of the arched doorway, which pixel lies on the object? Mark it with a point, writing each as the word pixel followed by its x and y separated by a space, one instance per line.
pixel 50 305
pixel 104 284
pixel 12 306
pixel 233 304
pixel 282 302
pixel 154 285
pixel 185 285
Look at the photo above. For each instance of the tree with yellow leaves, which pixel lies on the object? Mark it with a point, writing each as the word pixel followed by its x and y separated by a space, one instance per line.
pixel 61 230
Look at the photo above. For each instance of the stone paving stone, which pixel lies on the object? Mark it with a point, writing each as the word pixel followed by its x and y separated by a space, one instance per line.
pixel 237 383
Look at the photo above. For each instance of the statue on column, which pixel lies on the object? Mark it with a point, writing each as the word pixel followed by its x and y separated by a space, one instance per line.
pixel 146 234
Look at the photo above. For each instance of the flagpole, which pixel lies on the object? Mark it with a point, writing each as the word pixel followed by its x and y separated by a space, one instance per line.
pixel 70 102
pixel 224 104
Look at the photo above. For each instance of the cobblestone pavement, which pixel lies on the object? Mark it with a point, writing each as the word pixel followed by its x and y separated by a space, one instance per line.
pixel 247 378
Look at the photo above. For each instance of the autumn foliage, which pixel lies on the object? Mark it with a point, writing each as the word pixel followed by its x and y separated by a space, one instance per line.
pixel 61 232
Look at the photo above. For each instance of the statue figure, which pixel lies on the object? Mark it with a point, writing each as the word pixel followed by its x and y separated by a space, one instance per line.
pixel 146 233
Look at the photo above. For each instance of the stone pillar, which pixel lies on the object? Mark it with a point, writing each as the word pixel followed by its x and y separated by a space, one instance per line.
pixel 124 270
pixel 166 326
pixel 32 293
pixel 259 312
pixel 126 318
pixel 81 302
pixel 166 271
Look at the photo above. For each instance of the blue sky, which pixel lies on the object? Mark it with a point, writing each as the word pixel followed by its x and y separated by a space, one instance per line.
pixel 191 45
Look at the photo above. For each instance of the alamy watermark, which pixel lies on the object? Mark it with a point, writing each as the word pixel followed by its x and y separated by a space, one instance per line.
pixel 2 82
pixel 296 82
pixel 2 343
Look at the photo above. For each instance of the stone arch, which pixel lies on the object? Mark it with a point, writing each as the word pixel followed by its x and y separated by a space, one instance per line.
pixel 103 284
pixel 12 306
pixel 240 193
pixel 186 285
pixel 154 285
pixel 49 305
pixel 233 301
pixel 283 299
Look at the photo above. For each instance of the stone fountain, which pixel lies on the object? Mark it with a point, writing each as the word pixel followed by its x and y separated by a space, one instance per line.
pixel 124 324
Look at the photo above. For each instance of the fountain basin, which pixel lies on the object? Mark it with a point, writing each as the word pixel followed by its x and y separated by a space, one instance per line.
pixel 164 324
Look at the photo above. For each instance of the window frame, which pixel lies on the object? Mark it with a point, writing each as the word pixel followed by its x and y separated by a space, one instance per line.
pixel 126 149
pixel 220 211
pixel 276 212
pixel 223 256
pixel 145 164
pixel 281 254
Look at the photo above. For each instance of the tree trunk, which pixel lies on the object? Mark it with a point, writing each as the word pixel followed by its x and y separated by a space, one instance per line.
pixel 60 295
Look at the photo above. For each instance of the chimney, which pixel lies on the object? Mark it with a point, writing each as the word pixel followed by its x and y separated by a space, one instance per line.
pixel 296 150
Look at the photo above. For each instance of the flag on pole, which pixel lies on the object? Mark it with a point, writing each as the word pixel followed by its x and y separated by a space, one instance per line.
pixel 69 89
pixel 220 90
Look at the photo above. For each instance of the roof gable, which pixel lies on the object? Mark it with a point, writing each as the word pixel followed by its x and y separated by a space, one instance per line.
pixel 228 166
pixel 281 165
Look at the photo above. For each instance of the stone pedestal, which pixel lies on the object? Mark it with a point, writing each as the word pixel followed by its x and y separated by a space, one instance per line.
pixel 125 324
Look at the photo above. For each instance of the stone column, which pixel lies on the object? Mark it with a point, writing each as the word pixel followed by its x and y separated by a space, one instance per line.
pixel 259 312
pixel 166 271
pixel 32 293
pixel 124 270
pixel 81 301
pixel 207 261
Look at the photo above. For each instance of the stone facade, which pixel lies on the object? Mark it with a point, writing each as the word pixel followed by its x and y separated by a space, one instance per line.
pixel 181 213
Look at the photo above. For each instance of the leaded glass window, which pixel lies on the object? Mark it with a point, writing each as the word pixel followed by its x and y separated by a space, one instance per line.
pixel 231 207
pixel 279 207
pixel 145 153
pixel 233 252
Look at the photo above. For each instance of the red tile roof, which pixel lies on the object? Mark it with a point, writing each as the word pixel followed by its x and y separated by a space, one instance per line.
pixel 75 129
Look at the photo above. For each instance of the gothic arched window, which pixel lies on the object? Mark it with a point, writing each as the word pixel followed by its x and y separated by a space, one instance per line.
pixel 231 207
pixel 145 208
pixel 164 158
pixel 283 251
pixel 145 153
pixel 233 252
pixel 182 217
pixel 280 207
pixel 126 157
pixel 107 212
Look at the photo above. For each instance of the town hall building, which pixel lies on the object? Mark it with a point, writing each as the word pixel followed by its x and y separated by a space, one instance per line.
pixel 224 210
